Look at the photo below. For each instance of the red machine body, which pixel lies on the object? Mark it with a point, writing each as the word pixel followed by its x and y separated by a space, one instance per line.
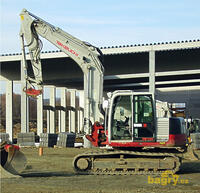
pixel 132 122
pixel 98 135
pixel 99 138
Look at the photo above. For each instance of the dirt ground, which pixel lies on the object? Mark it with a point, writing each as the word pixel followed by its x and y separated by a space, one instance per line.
pixel 53 173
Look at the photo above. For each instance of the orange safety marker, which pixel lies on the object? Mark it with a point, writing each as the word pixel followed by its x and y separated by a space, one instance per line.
pixel 40 151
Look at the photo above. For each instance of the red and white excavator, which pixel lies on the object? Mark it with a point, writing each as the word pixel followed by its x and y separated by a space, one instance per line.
pixel 134 134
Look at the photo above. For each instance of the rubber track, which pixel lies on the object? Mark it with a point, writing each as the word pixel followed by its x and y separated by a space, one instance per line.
pixel 99 153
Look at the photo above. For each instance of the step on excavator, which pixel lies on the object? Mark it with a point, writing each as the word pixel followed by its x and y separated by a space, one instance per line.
pixel 133 134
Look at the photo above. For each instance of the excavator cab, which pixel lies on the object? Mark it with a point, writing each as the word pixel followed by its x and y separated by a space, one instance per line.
pixel 132 118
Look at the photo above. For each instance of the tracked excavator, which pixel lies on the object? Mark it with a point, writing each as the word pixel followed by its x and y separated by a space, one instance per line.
pixel 134 134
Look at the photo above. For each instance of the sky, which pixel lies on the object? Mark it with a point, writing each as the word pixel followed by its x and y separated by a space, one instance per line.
pixel 106 22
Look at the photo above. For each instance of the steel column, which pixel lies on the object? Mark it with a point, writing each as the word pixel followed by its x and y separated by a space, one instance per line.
pixel 80 114
pixel 59 121
pixel 72 113
pixel 62 113
pixel 40 114
pixel 48 121
pixel 52 103
pixel 152 71
pixel 9 108
pixel 24 98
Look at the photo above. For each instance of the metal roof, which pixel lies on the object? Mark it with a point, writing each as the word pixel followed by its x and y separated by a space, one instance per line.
pixel 164 46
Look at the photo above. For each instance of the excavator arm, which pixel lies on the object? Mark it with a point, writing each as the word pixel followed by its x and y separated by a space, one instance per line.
pixel 88 57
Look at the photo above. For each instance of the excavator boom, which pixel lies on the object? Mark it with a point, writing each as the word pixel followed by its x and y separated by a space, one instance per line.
pixel 88 57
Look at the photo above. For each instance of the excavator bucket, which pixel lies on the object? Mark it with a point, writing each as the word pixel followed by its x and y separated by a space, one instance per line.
pixel 13 161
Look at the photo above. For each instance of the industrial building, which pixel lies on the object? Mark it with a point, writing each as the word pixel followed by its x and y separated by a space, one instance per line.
pixel 170 70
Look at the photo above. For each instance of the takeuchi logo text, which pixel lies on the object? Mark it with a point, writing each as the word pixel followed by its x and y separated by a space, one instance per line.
pixel 67 48
pixel 167 177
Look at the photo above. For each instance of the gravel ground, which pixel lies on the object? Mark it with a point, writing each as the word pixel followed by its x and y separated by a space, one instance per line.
pixel 53 173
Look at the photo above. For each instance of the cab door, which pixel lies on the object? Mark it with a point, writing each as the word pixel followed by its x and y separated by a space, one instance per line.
pixel 143 118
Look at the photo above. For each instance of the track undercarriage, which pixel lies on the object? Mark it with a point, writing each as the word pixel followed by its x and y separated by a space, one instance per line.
pixel 119 162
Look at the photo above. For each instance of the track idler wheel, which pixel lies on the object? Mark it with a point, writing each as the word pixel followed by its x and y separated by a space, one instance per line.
pixel 82 164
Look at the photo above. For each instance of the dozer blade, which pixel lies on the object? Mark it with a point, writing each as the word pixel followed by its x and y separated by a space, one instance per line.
pixel 13 161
